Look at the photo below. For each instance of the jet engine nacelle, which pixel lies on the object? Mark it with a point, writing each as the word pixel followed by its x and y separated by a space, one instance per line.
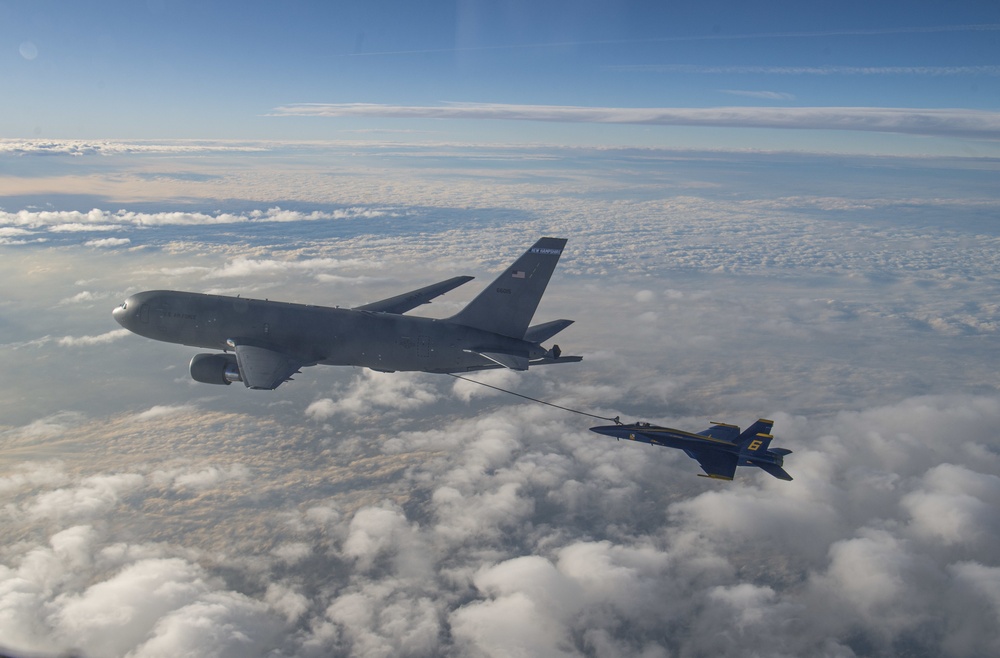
pixel 215 369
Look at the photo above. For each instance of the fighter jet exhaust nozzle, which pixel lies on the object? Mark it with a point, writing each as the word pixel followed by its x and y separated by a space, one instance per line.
pixel 215 369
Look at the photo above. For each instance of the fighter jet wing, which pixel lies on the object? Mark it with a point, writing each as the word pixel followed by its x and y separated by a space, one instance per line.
pixel 263 368
pixel 410 300
pixel 717 464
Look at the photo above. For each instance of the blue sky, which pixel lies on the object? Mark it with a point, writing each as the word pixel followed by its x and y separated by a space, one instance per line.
pixel 164 69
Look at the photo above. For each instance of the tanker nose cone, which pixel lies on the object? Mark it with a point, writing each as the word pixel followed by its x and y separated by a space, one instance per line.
pixel 121 314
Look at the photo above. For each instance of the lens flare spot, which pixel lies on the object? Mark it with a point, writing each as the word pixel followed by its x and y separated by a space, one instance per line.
pixel 28 50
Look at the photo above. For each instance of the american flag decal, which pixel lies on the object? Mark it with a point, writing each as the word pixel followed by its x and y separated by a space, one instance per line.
pixel 518 274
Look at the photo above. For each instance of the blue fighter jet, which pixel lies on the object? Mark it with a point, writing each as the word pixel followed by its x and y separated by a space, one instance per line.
pixel 719 449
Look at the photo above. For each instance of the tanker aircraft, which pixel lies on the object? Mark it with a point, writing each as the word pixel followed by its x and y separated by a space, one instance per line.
pixel 263 343
pixel 719 449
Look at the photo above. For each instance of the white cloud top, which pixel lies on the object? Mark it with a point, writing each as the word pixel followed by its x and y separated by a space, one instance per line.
pixel 502 554
pixel 76 147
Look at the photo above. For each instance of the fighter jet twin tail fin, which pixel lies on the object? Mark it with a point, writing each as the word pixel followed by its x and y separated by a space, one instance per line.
pixel 718 449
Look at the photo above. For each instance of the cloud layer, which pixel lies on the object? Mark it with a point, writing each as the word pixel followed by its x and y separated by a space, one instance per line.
pixel 852 300
pixel 940 122
pixel 77 147
pixel 510 532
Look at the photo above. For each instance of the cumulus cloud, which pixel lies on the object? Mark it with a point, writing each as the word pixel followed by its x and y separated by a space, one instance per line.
pixel 163 606
pixel 116 615
pixel 226 624
pixel 956 123
pixel 293 552
pixel 10 231
pixel 152 606
pixel 47 427
pixel 75 221
pixel 956 506
pixel 100 339
pixel 244 267
pixel 373 392
pixel 106 243
pixel 86 296
pixel 160 410
pixel 514 532
pixel 385 533
pixel 974 600
pixel 77 227
pixel 205 478
pixel 33 474
pixel 92 498
pixel 538 607
pixel 379 621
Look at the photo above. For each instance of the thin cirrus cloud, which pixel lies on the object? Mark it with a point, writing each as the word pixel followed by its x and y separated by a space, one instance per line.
pixel 936 29
pixel 765 95
pixel 939 122
pixel 933 71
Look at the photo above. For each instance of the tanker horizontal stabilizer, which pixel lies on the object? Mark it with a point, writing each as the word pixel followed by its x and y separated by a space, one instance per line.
pixel 509 361
pixel 542 332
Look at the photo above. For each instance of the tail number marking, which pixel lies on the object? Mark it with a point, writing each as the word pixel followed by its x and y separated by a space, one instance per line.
pixel 754 445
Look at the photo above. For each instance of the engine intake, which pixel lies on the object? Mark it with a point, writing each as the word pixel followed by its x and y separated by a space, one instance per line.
pixel 215 369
